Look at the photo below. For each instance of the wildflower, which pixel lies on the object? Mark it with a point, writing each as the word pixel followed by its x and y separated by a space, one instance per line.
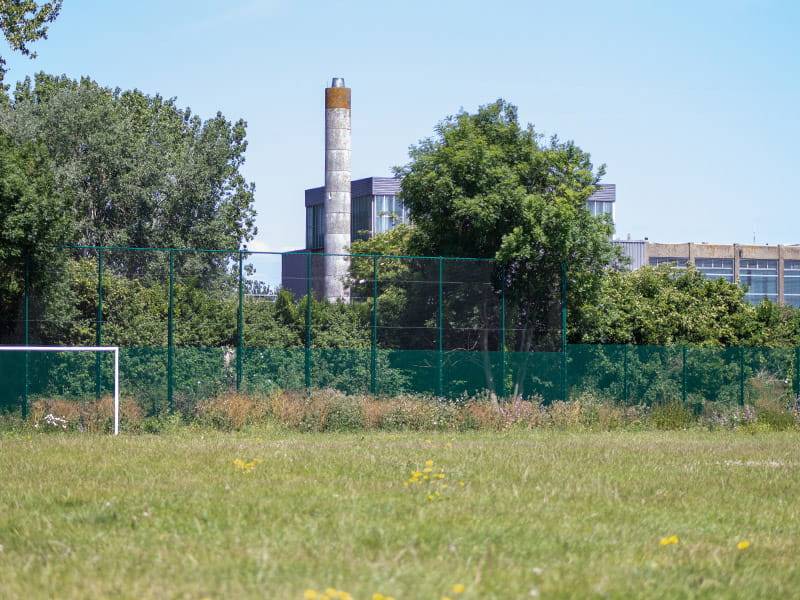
pixel 428 463
pixel 458 588
pixel 310 595
pixel 669 540
pixel 743 545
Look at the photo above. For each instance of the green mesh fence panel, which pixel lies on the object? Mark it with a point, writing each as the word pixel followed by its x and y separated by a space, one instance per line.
pixel 195 323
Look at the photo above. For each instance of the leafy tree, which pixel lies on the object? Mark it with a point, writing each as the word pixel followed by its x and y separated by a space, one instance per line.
pixel 137 170
pixel 23 22
pixel 664 306
pixel 32 222
pixel 486 187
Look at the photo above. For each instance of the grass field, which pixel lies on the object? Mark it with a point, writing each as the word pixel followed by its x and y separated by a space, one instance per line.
pixel 539 514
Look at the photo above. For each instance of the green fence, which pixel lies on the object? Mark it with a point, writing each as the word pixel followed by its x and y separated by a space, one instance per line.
pixel 193 323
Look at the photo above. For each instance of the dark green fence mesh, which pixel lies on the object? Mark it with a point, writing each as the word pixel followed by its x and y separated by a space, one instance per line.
pixel 191 324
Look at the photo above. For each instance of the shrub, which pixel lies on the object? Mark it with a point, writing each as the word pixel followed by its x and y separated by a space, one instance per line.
pixel 671 415
pixel 96 416
pixel 231 411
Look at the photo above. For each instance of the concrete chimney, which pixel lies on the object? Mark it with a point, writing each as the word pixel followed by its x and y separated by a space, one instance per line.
pixel 337 190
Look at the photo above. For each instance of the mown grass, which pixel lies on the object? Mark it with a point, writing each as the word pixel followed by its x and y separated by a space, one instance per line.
pixel 541 513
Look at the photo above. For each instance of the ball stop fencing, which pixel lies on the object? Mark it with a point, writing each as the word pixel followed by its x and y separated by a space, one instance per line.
pixel 193 323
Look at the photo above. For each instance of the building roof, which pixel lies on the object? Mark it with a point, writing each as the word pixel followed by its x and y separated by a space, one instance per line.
pixel 368 186
pixel 390 186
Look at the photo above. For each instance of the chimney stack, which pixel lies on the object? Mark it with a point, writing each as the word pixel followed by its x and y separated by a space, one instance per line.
pixel 337 190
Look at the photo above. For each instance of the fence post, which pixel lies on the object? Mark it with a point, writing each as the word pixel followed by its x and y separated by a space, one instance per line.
pixel 741 376
pixel 625 375
pixel 797 371
pixel 564 292
pixel 98 327
pixel 502 386
pixel 171 333
pixel 373 370
pixel 307 360
pixel 26 298
pixel 240 327
pixel 683 378
pixel 440 334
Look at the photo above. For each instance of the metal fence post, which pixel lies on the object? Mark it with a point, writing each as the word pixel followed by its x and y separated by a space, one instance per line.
pixel 240 327
pixel 797 371
pixel 683 378
pixel 502 385
pixel 171 333
pixel 307 357
pixel 741 376
pixel 625 374
pixel 26 320
pixel 564 292
pixel 440 334
pixel 373 371
pixel 98 327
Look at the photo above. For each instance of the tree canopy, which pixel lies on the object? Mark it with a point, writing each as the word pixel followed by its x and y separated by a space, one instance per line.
pixel 23 22
pixel 485 186
pixel 136 169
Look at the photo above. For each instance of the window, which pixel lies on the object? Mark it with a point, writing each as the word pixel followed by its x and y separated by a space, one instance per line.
pixel 715 268
pixel 361 218
pixel 315 227
pixel 791 282
pixel 675 261
pixel 598 207
pixel 760 277
pixel 389 212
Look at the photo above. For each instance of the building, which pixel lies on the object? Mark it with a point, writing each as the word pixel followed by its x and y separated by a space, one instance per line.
pixel 376 207
pixel 768 272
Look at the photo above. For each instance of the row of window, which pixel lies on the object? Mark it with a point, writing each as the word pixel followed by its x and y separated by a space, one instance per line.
pixel 369 213
pixel 759 275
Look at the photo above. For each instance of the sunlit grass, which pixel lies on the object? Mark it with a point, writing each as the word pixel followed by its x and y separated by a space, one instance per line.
pixel 270 514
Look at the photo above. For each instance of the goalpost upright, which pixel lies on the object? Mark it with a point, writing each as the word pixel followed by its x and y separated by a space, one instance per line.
pixel 112 349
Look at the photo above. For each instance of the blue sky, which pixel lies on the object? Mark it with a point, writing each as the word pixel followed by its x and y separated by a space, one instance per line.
pixel 693 106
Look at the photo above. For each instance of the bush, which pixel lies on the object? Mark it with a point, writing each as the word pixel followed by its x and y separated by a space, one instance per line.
pixel 231 411
pixel 54 414
pixel 671 415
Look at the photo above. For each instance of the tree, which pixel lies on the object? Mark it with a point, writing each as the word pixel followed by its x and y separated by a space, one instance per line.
pixel 136 169
pixel 23 22
pixel 33 220
pixel 666 306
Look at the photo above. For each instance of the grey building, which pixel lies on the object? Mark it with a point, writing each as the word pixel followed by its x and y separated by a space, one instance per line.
pixel 376 207
pixel 768 272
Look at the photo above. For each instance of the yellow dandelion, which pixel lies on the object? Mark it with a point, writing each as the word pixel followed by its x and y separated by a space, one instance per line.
pixel 310 595
pixel 427 470
pixel 669 540
pixel 333 592
pixel 428 463
pixel 458 588
pixel 743 545
pixel 445 598
pixel 378 596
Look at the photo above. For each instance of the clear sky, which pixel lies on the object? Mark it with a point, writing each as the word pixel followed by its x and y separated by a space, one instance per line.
pixel 693 106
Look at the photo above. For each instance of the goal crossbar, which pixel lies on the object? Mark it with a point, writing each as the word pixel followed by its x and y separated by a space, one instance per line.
pixel 112 349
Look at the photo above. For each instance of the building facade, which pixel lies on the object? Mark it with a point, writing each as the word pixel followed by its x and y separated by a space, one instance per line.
pixel 376 208
pixel 768 272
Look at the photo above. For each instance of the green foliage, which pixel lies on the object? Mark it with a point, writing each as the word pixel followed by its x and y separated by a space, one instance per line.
pixel 33 219
pixel 666 306
pixel 484 186
pixel 671 415
pixel 136 169
pixel 23 22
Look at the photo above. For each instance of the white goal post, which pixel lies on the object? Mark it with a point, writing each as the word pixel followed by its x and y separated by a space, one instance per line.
pixel 113 349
